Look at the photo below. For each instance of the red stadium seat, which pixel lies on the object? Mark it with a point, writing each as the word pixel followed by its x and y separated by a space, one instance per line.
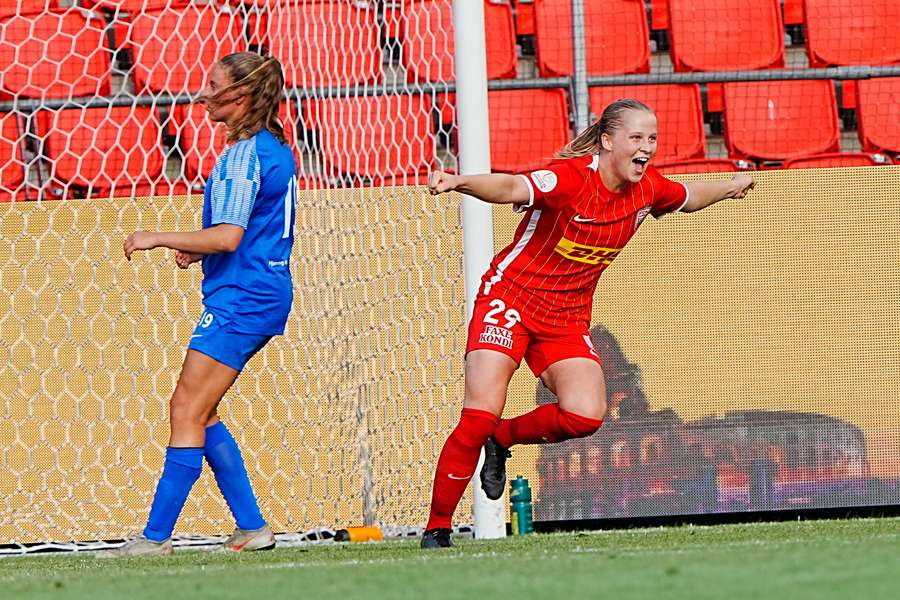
pixel 174 49
pixel 778 120
pixel 428 31
pixel 524 17
pixel 793 12
pixel 679 113
pixel 839 32
pixel 428 41
pixel 617 37
pixel 326 43
pixel 59 54
pixel 202 140
pixel 27 7
pixel 97 150
pixel 368 137
pixel 724 35
pixel 394 14
pixel 659 14
pixel 878 124
pixel 527 127
pixel 703 165
pixel 12 167
pixel 836 159
pixel 720 35
pixel 256 13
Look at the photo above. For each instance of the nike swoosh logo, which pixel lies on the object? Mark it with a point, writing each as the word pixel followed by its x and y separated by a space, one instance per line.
pixel 196 335
pixel 580 219
pixel 452 476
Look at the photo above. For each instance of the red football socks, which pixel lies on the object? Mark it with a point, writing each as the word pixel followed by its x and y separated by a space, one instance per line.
pixel 545 424
pixel 457 463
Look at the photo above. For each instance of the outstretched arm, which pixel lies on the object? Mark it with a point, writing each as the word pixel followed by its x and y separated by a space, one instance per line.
pixel 212 240
pixel 496 188
pixel 707 193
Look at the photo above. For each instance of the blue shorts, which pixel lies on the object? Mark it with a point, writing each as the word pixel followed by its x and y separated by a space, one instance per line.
pixel 216 338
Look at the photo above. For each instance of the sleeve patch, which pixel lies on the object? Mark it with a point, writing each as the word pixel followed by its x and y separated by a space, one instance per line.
pixel 544 180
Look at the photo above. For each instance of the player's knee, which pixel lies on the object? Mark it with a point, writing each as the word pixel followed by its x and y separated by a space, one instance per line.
pixel 578 426
pixel 182 411
pixel 585 405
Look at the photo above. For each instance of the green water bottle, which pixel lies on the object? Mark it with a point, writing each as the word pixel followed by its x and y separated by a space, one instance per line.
pixel 521 513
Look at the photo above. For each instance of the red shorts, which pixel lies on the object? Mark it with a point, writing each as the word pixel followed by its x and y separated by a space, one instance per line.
pixel 497 324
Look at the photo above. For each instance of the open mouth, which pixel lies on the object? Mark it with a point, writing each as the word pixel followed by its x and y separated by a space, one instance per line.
pixel 641 161
pixel 640 164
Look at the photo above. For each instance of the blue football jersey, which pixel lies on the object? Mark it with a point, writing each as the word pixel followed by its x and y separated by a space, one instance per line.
pixel 253 186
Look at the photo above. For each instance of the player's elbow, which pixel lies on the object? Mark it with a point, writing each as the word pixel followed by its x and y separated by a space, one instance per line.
pixel 230 244
pixel 229 238
pixel 690 206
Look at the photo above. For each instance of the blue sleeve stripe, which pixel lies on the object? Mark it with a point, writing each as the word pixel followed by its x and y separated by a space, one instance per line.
pixel 240 179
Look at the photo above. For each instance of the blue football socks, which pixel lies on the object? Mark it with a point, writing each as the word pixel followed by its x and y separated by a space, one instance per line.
pixel 224 457
pixel 180 471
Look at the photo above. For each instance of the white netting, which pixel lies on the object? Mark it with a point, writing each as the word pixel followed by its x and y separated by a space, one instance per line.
pixel 343 417
pixel 340 419
pixel 64 60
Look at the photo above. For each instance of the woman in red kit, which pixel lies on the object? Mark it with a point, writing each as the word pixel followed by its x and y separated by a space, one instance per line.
pixel 535 299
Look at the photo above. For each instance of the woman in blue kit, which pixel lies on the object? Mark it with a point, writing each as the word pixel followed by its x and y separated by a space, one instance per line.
pixel 245 247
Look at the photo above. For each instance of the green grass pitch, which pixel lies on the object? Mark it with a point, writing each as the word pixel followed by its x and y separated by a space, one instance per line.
pixel 811 559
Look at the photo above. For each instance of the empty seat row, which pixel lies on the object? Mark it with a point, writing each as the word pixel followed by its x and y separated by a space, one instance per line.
pixel 97 150
pixel 57 54
pixel 28 7
pixel 64 53
pixel 718 35
pixel 836 32
pixel 705 35
pixel 369 138
pixel 769 121
pixel 54 55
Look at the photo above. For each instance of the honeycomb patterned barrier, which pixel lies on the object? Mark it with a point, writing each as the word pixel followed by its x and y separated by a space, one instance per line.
pixel 339 420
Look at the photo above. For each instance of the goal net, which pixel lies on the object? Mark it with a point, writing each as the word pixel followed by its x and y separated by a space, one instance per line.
pixel 341 419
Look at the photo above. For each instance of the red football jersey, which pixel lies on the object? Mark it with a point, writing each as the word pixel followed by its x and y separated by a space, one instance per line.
pixel 572 229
